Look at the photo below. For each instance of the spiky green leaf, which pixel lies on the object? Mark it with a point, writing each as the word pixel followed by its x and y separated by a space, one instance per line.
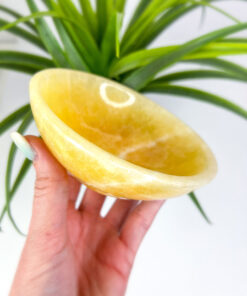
pixel 120 5
pixel 19 58
pixel 13 118
pixel 153 10
pixel 199 74
pixel 75 58
pixel 10 163
pixel 90 17
pixel 139 78
pixel 144 57
pixel 20 176
pixel 142 5
pixel 224 65
pixel 192 93
pixel 17 15
pixel 221 11
pixel 48 38
pixel 22 33
pixel 198 206
pixel 104 10
pixel 159 25
pixel 24 68
pixel 110 42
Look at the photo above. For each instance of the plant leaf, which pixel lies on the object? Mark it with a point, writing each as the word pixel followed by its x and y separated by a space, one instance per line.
pixel 52 44
pixel 69 9
pixel 199 207
pixel 22 173
pixel 198 74
pixel 143 57
pixel 48 38
pixel 138 12
pixel 14 117
pixel 81 38
pixel 233 40
pixel 119 22
pixel 26 165
pixel 139 78
pixel 110 42
pixel 84 35
pixel 161 24
pixel 137 59
pixel 145 12
pixel 24 125
pixel 73 54
pixel 19 57
pixel 221 11
pixel 23 62
pixel 120 5
pixel 203 16
pixel 21 33
pixel 24 68
pixel 90 17
pixel 188 92
pixel 17 15
pixel 104 11
pixel 140 27
pixel 223 65
pixel 217 49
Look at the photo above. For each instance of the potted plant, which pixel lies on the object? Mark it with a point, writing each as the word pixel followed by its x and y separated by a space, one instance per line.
pixel 92 40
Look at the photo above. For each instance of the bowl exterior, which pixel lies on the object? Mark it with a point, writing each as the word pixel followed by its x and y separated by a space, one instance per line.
pixel 102 171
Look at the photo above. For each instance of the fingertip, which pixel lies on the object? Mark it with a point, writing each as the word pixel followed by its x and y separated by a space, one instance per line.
pixel 44 161
pixel 37 145
pixel 21 142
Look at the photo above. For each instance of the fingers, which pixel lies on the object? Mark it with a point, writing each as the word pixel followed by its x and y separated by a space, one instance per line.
pixel 52 189
pixel 74 188
pixel 119 212
pixel 138 223
pixel 92 202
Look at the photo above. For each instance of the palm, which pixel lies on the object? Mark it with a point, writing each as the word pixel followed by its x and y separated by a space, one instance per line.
pixel 100 251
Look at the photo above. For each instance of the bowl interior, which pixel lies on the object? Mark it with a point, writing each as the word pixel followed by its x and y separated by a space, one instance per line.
pixel 124 123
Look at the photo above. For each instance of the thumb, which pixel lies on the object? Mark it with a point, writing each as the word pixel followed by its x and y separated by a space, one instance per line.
pixel 51 192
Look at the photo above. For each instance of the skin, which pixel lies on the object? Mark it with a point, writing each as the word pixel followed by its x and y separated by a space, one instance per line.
pixel 77 252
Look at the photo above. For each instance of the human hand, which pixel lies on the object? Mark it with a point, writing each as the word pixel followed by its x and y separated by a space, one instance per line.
pixel 77 252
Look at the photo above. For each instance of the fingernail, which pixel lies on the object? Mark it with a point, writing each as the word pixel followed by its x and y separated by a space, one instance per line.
pixel 23 145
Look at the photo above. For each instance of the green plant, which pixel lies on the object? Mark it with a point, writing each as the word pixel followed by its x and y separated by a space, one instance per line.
pixel 89 40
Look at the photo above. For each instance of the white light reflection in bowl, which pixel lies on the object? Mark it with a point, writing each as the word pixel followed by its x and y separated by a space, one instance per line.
pixel 103 88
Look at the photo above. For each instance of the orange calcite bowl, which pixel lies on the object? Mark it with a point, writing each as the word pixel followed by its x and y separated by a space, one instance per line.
pixel 115 140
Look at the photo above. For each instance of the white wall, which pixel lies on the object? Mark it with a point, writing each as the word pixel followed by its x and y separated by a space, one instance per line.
pixel 181 255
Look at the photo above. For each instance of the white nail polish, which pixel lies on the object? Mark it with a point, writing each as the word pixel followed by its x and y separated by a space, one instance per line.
pixel 23 145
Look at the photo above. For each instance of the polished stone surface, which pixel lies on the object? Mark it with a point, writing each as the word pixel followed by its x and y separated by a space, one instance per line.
pixel 115 140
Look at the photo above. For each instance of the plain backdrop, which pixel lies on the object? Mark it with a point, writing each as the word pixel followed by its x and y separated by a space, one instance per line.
pixel 181 255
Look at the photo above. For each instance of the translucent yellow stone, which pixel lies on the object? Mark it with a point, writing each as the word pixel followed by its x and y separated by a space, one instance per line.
pixel 115 140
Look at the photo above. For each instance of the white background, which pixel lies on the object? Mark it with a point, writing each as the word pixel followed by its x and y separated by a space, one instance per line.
pixel 181 255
